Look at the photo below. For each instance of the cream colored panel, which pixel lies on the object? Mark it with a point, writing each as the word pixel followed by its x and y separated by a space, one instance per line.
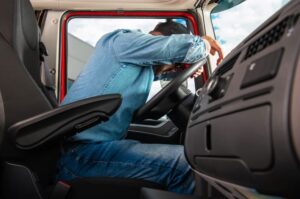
pixel 50 38
pixel 113 4
pixel 45 4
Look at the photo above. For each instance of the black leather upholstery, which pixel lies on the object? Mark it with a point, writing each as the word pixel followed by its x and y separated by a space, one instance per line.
pixel 94 188
pixel 17 85
pixel 20 29
pixel 20 86
pixel 147 193
pixel 22 98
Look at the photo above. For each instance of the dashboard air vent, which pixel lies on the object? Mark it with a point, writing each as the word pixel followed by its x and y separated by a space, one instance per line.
pixel 269 38
pixel 227 66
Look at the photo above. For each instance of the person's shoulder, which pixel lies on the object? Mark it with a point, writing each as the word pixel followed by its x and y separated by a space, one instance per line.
pixel 128 35
pixel 124 31
pixel 119 32
pixel 128 32
pixel 110 36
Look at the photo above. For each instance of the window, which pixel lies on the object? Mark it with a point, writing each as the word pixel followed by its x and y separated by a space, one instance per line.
pixel 233 25
pixel 84 32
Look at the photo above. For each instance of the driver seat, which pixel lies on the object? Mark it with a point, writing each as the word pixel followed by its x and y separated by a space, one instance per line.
pixel 30 172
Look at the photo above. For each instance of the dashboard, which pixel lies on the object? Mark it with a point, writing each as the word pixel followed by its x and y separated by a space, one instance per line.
pixel 244 128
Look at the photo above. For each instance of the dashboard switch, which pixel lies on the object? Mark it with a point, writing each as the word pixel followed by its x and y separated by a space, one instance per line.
pixel 217 86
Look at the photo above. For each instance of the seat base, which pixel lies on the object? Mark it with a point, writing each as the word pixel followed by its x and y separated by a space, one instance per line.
pixel 147 193
pixel 95 188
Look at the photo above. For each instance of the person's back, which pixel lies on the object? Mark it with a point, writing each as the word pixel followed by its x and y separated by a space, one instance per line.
pixel 105 74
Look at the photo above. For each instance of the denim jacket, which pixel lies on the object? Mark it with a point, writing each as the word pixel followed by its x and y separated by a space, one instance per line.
pixel 123 63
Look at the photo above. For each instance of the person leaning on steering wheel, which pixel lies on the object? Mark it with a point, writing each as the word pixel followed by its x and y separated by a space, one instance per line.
pixel 126 62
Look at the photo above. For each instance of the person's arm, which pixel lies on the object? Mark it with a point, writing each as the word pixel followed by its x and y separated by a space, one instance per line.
pixel 167 76
pixel 148 50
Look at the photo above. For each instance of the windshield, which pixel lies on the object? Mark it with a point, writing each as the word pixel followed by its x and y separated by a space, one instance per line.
pixel 233 25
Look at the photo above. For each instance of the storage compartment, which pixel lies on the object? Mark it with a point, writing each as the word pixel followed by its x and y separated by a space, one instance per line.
pixel 233 145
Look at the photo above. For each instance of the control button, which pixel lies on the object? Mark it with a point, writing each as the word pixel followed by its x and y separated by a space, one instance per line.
pixel 196 116
pixel 196 107
pixel 262 69
pixel 198 92
pixel 212 84
pixel 86 123
pixel 216 87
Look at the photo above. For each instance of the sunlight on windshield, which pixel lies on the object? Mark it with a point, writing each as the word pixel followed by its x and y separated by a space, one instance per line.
pixel 233 25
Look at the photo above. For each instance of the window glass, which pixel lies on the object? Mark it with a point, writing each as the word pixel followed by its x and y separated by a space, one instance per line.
pixel 233 25
pixel 83 34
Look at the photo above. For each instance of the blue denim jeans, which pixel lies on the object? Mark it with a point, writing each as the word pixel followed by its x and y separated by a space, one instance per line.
pixel 159 163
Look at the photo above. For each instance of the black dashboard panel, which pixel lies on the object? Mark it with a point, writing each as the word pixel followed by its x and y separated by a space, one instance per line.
pixel 244 127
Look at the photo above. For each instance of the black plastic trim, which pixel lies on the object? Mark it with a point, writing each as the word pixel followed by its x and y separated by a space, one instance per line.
pixel 63 121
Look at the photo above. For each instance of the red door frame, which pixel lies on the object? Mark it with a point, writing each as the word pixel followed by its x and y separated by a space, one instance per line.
pixel 70 15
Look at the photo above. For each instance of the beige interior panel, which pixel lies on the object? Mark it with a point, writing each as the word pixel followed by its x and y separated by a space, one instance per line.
pixel 113 4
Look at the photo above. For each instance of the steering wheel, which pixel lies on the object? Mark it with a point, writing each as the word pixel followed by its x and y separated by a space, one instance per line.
pixel 161 103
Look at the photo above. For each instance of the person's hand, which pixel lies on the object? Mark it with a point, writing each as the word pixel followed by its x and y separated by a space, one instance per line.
pixel 198 72
pixel 214 47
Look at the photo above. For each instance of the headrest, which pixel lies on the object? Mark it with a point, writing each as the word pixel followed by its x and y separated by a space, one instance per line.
pixel 19 28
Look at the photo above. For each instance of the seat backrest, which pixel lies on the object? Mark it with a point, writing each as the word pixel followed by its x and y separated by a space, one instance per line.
pixel 20 63
pixel 20 85
pixel 20 29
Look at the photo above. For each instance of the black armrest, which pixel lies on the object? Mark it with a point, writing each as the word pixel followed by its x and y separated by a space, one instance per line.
pixel 63 121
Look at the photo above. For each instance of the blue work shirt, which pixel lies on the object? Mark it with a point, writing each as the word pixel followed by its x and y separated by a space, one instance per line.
pixel 123 63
